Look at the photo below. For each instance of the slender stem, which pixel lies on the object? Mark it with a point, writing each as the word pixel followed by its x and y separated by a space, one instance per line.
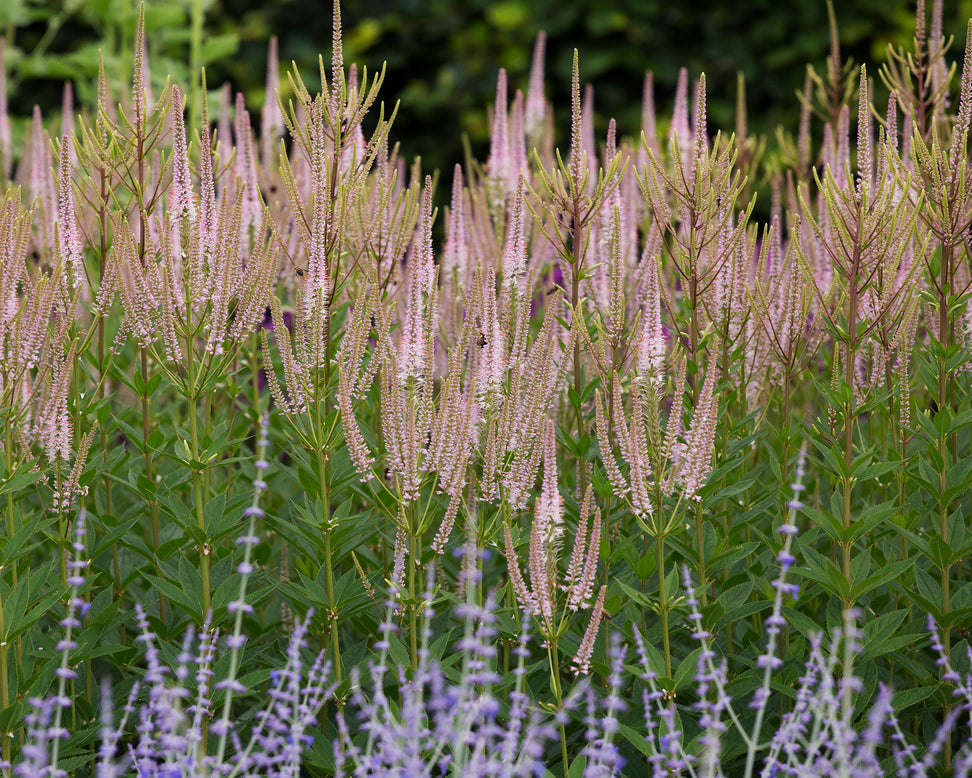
pixel 147 424
pixel 323 471
pixel 197 476
pixel 578 321
pixel 413 607
pixel 946 334
pixel 663 603
pixel 5 744
pixel 700 540
pixel 554 658
pixel 851 352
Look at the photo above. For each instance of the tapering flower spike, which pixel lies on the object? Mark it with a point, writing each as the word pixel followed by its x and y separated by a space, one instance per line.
pixel 498 165
pixel 515 248
pixel 40 184
pixel 182 202
pixel 865 141
pixel 455 257
pixel 648 120
pixel 518 165
pixel 140 85
pixel 695 460
pixel 700 141
pixel 271 119
pixel 535 113
pixel 651 348
pixel 6 139
pixel 67 118
pixel 540 597
pixel 69 244
pixel 582 659
pixel 679 129
pixel 246 169
pixel 337 60
pixel 576 163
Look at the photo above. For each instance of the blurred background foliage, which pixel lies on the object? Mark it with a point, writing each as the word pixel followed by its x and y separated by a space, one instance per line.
pixel 443 55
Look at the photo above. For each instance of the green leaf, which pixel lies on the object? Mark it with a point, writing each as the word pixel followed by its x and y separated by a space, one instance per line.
pixel 830 524
pixel 907 697
pixel 17 544
pixel 685 672
pixel 175 594
pixel 886 573
pixel 578 766
pixel 728 556
pixel 868 520
pixel 879 630
pixel 740 612
pixel 939 552
pixel 637 739
pixel 20 481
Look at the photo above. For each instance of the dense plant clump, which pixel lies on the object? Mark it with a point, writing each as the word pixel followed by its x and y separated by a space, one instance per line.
pixel 615 481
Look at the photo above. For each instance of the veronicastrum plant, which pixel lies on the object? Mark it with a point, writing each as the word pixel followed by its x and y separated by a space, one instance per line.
pixel 600 378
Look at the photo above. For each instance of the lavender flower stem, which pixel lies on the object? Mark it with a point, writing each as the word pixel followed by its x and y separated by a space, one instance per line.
pixel 241 599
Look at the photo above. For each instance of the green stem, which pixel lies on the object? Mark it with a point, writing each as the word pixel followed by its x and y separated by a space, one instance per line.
pixel 149 463
pixel 5 737
pixel 946 334
pixel 851 352
pixel 578 321
pixel 700 539
pixel 323 470
pixel 554 658
pixel 197 478
pixel 663 603
pixel 413 599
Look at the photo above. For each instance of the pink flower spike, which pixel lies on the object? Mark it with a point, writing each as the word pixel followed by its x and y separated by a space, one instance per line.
pixel 181 197
pixel 535 114
pixel 582 660
pixel 68 237
pixel 6 140
pixel 498 164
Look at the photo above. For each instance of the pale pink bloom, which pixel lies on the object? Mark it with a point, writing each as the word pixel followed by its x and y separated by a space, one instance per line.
pixel 535 113
pixel 182 201
pixel 582 659
pixel 246 171
pixel 40 185
pixel 68 238
pixel 651 348
pixel 518 166
pixel 696 460
pixel 499 164
pixel 271 119
pixel 679 128
pixel 456 252
pixel 6 138
pixel 514 248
